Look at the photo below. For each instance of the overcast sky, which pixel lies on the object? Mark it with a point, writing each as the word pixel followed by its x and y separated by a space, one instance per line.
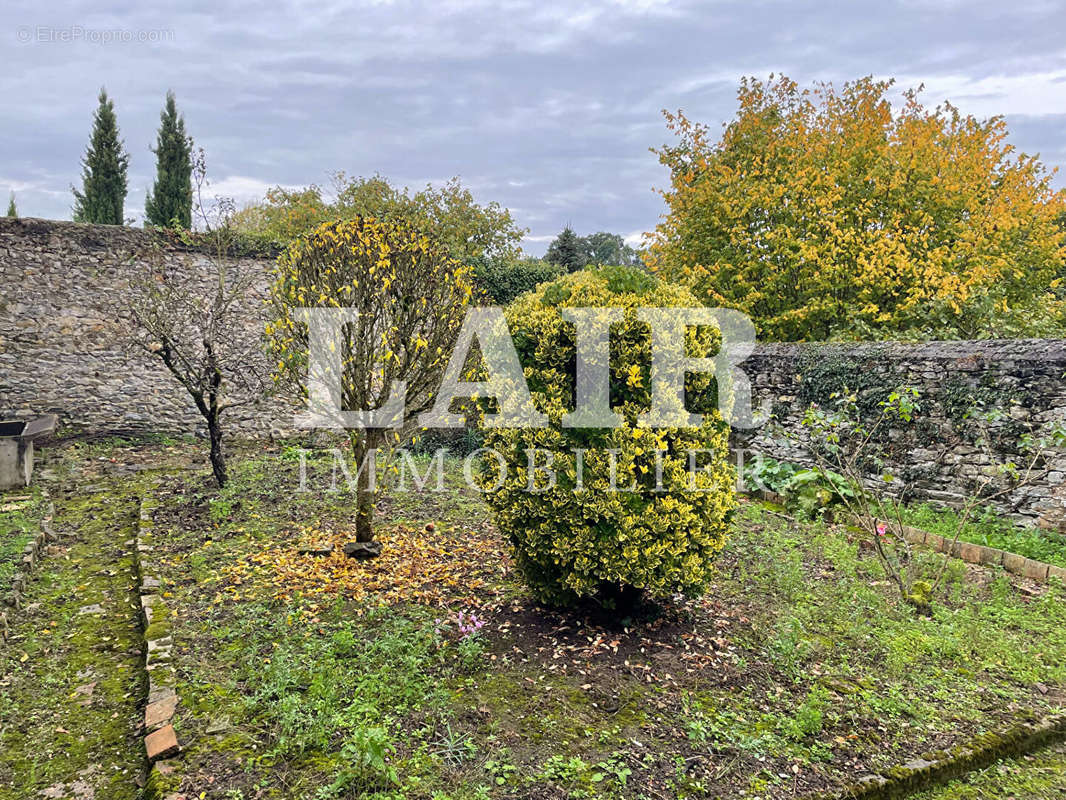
pixel 548 108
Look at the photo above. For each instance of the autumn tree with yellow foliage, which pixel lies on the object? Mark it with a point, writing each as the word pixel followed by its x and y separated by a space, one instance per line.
pixel 827 214
pixel 404 297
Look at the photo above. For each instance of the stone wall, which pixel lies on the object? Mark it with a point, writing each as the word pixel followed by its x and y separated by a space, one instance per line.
pixel 938 454
pixel 62 350
pixel 63 337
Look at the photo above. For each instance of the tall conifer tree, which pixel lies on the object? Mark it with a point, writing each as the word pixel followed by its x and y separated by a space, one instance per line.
pixel 103 191
pixel 170 200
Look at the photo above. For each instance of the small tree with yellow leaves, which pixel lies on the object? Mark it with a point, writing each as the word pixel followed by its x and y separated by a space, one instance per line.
pixel 408 299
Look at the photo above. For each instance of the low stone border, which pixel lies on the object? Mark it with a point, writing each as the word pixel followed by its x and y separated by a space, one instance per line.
pixel 980 554
pixel 941 766
pixel 967 551
pixel 160 740
pixel 31 554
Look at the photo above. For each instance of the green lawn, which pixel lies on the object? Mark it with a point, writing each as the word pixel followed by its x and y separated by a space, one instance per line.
pixel 304 676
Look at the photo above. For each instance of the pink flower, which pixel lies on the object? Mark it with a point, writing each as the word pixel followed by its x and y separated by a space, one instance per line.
pixel 468 626
pixel 881 530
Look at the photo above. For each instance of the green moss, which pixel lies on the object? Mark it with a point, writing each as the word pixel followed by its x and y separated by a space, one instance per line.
pixel 159 785
pixel 1040 776
pixel 157 630
pixel 18 527
pixel 69 673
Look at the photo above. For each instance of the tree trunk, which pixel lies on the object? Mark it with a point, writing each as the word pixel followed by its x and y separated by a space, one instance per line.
pixel 218 458
pixel 364 488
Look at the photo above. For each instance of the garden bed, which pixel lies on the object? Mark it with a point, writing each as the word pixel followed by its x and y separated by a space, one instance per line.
pixel 808 491
pixel 429 672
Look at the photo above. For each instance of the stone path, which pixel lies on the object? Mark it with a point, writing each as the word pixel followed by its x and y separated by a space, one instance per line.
pixel 72 671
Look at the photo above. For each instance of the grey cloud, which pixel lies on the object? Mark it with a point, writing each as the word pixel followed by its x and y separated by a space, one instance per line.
pixel 549 108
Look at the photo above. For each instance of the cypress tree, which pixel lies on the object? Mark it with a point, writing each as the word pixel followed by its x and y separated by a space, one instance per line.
pixel 103 172
pixel 11 210
pixel 170 199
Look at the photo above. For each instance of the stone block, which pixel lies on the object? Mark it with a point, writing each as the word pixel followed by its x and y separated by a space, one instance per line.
pixel 938 543
pixel 914 535
pixel 991 556
pixel 157 657
pixel 362 551
pixel 150 585
pixel 148 603
pixel 158 645
pixel 157 690
pixel 1013 563
pixel 1026 567
pixel 1036 571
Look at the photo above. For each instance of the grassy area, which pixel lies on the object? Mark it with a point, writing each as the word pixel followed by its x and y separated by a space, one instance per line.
pixel 21 511
pixel 808 493
pixel 428 673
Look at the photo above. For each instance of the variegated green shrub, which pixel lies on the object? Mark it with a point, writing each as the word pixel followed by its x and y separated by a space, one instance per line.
pixel 625 531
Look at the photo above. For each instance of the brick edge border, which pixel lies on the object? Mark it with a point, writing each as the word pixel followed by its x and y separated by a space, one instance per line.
pixel 980 554
pixel 966 551
pixel 161 702
pixel 31 554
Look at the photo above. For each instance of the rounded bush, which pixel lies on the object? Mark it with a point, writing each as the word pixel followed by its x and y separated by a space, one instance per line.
pixel 624 531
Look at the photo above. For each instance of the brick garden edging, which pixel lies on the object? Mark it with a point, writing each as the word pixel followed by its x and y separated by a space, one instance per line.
pixel 31 554
pixel 967 551
pixel 160 740
pixel 980 554
pixel 942 765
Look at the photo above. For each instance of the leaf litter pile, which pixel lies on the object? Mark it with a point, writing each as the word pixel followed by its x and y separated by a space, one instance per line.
pixel 441 568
